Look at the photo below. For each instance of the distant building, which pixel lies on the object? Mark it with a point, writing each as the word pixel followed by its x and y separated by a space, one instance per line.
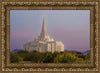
pixel 44 43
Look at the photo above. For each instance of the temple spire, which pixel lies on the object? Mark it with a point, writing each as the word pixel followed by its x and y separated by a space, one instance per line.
pixel 43 33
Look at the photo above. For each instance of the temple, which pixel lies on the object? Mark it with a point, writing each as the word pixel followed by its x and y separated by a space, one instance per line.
pixel 44 43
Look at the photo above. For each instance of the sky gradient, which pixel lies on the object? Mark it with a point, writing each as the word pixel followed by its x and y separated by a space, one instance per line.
pixel 72 27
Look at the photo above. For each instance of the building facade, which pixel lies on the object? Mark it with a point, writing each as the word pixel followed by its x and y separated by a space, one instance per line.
pixel 44 43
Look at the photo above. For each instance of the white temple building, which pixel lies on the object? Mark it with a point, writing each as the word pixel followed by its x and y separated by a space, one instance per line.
pixel 44 43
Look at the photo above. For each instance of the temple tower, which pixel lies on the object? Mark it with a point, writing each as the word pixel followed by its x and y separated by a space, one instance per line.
pixel 43 34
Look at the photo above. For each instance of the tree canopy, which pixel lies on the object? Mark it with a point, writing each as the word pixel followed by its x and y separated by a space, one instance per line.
pixel 48 57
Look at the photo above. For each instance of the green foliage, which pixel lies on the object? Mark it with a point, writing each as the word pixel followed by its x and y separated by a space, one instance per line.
pixel 36 57
pixel 81 56
pixel 87 58
pixel 65 58
pixel 80 60
pixel 14 58
pixel 48 57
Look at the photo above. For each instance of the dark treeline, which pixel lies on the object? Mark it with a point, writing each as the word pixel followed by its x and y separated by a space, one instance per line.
pixel 48 57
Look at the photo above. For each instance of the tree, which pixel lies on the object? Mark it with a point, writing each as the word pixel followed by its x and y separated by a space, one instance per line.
pixel 14 58
pixel 87 57
pixel 65 58
pixel 28 56
pixel 80 60
pixel 48 57
pixel 37 57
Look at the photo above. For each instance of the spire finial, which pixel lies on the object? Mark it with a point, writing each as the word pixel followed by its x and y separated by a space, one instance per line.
pixel 43 19
pixel 43 33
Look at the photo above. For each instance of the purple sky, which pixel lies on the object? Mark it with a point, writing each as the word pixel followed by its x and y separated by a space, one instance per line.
pixel 72 27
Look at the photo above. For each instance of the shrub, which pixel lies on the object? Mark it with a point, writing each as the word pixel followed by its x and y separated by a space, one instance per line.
pixel 65 58
pixel 80 60
pixel 14 58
